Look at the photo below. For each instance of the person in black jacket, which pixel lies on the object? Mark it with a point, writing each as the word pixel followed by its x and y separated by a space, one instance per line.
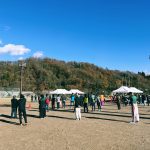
pixel 77 106
pixel 14 105
pixel 53 102
pixel 42 107
pixel 22 109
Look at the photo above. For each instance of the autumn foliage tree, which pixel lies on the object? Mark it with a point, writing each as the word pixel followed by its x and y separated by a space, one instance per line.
pixel 49 74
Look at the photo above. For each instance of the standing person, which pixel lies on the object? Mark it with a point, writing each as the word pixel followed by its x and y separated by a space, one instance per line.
pixel 102 98
pixel 118 101
pixel 47 102
pixel 42 107
pixel 14 105
pixel 124 99
pixel 22 109
pixel 93 102
pixel 53 102
pixel 143 99
pixel 31 98
pixel 63 101
pixel 35 98
pixel 148 100
pixel 99 103
pixel 58 99
pixel 85 103
pixel 77 107
pixel 134 108
pixel 72 100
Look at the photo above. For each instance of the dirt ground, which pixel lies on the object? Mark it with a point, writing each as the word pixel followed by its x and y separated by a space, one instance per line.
pixel 106 130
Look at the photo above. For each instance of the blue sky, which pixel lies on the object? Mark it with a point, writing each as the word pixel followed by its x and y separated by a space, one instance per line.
pixel 108 33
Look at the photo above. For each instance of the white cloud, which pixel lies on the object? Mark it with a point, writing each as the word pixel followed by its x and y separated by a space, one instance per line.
pixel 38 54
pixel 20 58
pixel 13 49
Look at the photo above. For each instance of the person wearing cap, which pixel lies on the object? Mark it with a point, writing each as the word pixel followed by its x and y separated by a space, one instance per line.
pixel 22 109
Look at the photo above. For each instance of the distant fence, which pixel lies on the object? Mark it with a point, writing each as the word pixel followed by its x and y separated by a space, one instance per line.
pixel 11 92
pixel 8 93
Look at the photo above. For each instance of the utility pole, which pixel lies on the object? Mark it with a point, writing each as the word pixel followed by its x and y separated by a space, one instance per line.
pixel 129 82
pixel 22 65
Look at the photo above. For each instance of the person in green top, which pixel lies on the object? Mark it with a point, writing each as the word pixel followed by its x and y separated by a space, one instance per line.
pixel 85 102
pixel 42 107
pixel 118 100
pixel 134 108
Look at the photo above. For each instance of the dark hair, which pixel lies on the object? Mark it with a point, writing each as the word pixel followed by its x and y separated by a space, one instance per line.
pixel 21 96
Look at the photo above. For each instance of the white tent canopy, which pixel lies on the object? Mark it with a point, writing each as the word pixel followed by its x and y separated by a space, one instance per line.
pixel 135 90
pixel 60 91
pixel 74 91
pixel 122 89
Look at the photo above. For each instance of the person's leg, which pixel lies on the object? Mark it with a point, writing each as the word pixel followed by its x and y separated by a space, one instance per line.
pixel 46 107
pixel 57 105
pixel 15 112
pixel 44 112
pixel 79 113
pixel 64 104
pixel 20 117
pixel 41 113
pixel 98 107
pixel 87 108
pixel 12 113
pixel 132 109
pixel 76 113
pixel 53 106
pixel 25 116
pixel 92 107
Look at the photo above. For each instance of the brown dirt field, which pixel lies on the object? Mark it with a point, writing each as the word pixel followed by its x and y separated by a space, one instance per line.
pixel 106 130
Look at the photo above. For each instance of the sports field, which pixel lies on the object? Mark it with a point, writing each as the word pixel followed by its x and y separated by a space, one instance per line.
pixel 106 130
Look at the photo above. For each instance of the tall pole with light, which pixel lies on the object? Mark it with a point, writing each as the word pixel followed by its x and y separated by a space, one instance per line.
pixel 22 65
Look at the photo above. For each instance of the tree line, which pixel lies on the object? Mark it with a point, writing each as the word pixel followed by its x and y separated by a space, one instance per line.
pixel 49 74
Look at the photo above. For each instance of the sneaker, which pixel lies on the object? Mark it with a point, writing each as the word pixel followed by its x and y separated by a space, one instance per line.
pixel 132 122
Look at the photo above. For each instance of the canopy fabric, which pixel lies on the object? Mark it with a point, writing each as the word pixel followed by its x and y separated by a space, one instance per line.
pixel 135 90
pixel 122 89
pixel 60 91
pixel 74 91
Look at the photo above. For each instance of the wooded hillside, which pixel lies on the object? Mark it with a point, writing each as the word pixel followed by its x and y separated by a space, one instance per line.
pixel 49 74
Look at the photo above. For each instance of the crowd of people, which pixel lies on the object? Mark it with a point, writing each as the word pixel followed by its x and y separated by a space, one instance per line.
pixel 76 103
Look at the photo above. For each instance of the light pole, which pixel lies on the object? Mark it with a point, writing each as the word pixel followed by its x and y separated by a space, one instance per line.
pixel 22 65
